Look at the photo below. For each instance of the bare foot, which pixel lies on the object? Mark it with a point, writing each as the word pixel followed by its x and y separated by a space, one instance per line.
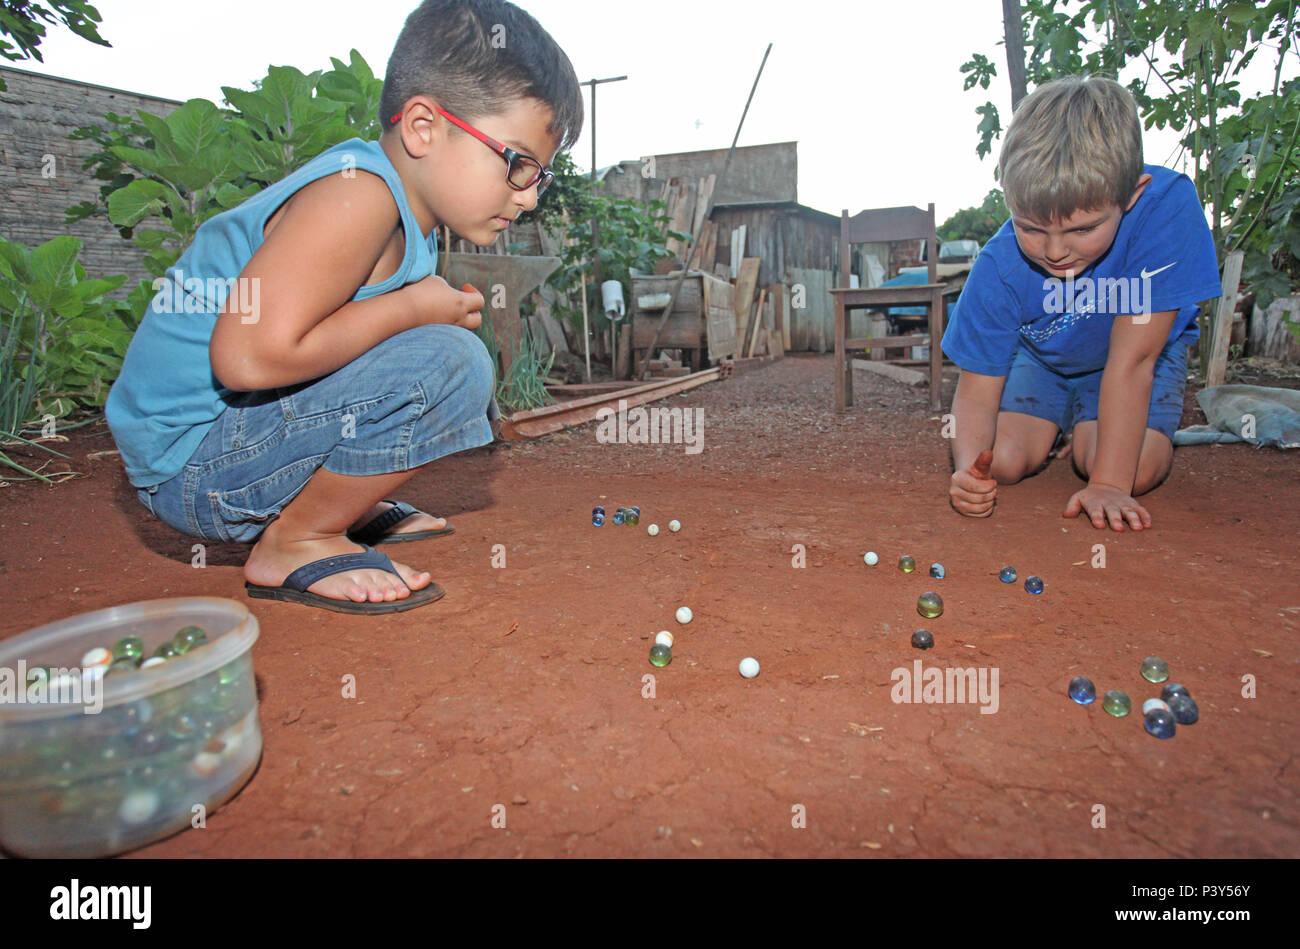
pixel 412 525
pixel 275 557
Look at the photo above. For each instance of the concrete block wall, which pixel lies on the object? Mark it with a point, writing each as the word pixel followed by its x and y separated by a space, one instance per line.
pixel 41 173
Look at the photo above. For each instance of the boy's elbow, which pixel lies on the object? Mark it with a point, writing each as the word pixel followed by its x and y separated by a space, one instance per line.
pixel 237 375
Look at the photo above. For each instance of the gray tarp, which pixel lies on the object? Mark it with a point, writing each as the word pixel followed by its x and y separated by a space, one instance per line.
pixel 1254 414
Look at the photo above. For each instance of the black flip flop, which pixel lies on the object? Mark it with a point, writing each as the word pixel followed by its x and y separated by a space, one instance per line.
pixel 378 530
pixel 294 589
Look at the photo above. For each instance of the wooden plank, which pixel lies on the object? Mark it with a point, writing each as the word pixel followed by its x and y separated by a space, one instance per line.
pixel 1218 368
pixel 704 197
pixel 746 283
pixel 906 376
pixel 889 342
pixel 757 321
pixel 782 340
pixel 720 320
pixel 737 251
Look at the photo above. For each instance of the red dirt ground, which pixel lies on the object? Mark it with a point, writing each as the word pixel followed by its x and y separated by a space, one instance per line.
pixel 455 713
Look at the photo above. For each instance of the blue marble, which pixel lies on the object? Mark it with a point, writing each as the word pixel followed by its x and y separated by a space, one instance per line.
pixel 619 516
pixel 922 639
pixel 1184 710
pixel 1007 575
pixel 1160 723
pixel 937 571
pixel 1082 690
pixel 598 520
pixel 1172 689
pixel 1033 585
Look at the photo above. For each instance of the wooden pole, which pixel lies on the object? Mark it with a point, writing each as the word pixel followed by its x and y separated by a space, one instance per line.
pixel 695 238
pixel 595 223
pixel 1218 370
pixel 586 334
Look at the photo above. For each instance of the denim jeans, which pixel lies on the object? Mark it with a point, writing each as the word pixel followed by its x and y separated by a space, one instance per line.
pixel 416 397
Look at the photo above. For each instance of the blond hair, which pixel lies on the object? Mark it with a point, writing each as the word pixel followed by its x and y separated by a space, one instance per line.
pixel 1075 144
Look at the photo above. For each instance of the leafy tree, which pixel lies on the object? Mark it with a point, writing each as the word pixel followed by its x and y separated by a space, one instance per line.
pixel 1242 143
pixel 977 224
pixel 22 21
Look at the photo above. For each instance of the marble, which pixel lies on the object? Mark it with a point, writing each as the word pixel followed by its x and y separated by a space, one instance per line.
pixel 1184 710
pixel 1082 690
pixel 1155 669
pixel 929 605
pixel 1117 703
pixel 1160 723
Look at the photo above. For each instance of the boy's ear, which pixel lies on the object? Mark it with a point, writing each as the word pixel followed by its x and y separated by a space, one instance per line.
pixel 1137 191
pixel 418 123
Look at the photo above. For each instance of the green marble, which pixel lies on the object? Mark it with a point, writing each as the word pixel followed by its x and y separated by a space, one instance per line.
pixel 929 605
pixel 189 637
pixel 124 664
pixel 128 647
pixel 906 564
pixel 660 656
pixel 1155 670
pixel 166 650
pixel 1117 703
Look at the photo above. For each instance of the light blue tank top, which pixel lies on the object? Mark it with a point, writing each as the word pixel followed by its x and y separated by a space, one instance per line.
pixel 166 398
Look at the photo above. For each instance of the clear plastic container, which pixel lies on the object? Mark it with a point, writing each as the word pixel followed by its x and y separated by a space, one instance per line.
pixel 158 748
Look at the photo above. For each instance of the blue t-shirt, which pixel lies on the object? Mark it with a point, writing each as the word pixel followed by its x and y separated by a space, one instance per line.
pixel 1162 259
pixel 166 398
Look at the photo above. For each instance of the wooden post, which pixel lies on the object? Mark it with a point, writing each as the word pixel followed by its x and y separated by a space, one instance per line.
pixel 843 377
pixel 936 354
pixel 1218 370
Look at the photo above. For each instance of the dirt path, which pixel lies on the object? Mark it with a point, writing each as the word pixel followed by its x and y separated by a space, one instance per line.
pixel 455 713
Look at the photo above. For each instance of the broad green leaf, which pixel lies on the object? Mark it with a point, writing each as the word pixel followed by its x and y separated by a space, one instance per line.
pixel 55 260
pixel 195 126
pixel 137 201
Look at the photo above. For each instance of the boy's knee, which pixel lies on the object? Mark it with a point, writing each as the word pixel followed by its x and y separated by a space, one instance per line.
pixel 1012 464
pixel 1154 466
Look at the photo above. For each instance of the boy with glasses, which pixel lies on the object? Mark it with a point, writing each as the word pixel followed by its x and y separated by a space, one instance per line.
pixel 1077 315
pixel 290 424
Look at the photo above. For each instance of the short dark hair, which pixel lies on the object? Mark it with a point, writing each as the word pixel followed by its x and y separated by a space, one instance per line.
pixel 477 58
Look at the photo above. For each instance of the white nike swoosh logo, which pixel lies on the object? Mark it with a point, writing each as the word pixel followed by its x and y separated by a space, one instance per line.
pixel 1147 276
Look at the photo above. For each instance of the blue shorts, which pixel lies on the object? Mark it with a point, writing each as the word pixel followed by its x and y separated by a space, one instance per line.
pixel 1065 401
pixel 416 397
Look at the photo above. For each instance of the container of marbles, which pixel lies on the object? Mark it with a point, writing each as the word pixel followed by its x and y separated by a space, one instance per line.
pixel 96 762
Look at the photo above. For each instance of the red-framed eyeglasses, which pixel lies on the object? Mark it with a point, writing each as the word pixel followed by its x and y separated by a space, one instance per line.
pixel 522 172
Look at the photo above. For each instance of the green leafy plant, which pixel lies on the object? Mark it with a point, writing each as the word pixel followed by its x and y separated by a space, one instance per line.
pixel 523 387
pixel 1242 142
pixel 631 238
pixel 61 341
pixel 165 177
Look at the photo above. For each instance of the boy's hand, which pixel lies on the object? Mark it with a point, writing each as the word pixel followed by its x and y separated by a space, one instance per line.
pixel 973 490
pixel 1106 503
pixel 436 302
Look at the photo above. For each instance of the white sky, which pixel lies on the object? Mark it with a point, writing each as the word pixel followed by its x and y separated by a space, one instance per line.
pixel 871 90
